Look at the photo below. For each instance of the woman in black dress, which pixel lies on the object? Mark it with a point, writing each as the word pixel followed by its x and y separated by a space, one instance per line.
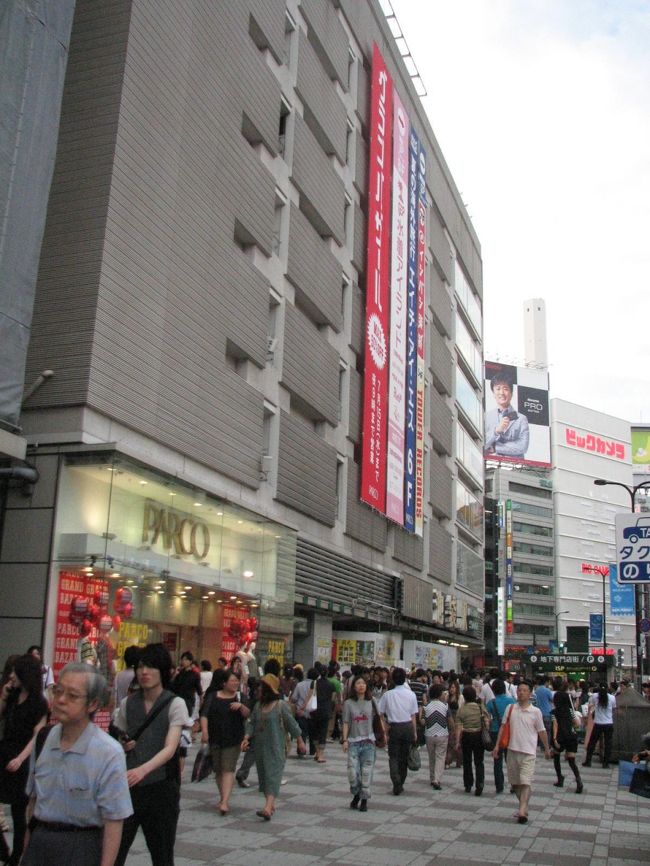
pixel 23 710
pixel 564 737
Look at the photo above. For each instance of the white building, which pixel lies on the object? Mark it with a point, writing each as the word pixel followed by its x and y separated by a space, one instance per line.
pixel 587 444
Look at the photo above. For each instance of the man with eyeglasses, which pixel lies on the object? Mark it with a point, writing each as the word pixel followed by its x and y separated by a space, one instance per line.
pixel 77 787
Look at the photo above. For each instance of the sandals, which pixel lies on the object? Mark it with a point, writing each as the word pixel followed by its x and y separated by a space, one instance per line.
pixel 262 814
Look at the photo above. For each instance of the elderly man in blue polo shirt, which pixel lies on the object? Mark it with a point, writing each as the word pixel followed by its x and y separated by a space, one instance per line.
pixel 399 706
pixel 77 784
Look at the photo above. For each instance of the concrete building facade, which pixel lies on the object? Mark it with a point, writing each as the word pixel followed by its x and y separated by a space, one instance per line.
pixel 200 299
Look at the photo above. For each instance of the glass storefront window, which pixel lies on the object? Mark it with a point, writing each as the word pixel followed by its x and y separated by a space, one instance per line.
pixel 188 562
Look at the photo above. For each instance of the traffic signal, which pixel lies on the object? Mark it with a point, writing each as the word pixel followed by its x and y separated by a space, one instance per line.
pixel 620 656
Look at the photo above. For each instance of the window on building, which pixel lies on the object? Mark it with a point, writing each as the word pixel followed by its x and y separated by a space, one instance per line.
pixel 468 399
pixel 530 491
pixel 532 549
pixel 532 529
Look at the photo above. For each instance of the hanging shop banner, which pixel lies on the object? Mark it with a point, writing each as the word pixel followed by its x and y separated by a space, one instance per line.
pixel 411 335
pixel 419 413
pixel 84 638
pixel 397 380
pixel 229 613
pixel 509 618
pixel 375 395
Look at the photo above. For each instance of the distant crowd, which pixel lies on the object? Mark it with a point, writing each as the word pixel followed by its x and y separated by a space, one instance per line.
pixel 79 794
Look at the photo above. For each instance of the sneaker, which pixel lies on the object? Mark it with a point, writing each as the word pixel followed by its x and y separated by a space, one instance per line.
pixel 354 802
pixel 363 806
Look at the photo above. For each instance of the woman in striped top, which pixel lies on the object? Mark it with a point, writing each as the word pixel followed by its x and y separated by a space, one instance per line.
pixel 438 724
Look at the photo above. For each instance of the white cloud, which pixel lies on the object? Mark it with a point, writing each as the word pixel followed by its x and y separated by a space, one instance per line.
pixel 542 110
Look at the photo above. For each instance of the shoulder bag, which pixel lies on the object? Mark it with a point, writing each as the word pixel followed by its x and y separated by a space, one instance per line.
pixel 486 735
pixel 503 737
pixel 378 727
pixel 173 765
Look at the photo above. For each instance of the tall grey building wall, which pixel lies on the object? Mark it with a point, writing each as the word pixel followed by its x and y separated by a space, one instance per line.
pixel 206 234
pixel 34 39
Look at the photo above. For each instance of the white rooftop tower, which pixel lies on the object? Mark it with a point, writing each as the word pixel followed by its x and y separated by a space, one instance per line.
pixel 535 347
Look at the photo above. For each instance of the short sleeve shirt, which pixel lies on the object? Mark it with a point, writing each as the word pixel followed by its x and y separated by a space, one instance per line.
pixel 84 785
pixel 398 704
pixel 525 724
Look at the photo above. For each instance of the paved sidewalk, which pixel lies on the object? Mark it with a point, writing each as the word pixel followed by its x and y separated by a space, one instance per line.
pixel 604 826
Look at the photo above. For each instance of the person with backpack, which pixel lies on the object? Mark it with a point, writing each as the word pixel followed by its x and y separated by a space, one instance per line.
pixel 77 785
pixel 152 720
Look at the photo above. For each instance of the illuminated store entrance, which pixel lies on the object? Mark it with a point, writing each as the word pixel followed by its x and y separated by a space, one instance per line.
pixel 139 557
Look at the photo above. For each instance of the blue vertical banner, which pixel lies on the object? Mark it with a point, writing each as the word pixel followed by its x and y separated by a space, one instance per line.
pixel 621 595
pixel 411 336
pixel 595 628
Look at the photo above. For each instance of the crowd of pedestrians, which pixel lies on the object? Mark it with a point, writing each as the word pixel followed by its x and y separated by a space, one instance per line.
pixel 79 795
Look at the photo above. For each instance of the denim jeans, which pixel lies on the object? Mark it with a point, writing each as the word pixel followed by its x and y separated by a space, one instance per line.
pixel 499 780
pixel 361 763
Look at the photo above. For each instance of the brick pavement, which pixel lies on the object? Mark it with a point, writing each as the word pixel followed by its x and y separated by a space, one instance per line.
pixel 604 826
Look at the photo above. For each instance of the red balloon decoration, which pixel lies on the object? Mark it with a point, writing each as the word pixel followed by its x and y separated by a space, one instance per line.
pixel 85 628
pixel 94 613
pixel 117 622
pixel 123 596
pixel 79 605
pixel 101 598
pixel 105 624
pixel 127 610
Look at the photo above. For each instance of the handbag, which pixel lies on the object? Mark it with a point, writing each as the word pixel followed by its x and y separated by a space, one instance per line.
pixel 202 764
pixel 378 727
pixel 486 734
pixel 503 737
pixel 312 704
pixel 413 762
pixel 640 784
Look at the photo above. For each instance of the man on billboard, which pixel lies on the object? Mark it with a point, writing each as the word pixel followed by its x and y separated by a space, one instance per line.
pixel 506 430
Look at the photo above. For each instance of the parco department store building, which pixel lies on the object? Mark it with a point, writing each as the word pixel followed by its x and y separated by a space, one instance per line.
pixel 201 300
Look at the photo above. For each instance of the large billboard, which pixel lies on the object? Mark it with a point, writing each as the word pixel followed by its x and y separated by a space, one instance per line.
pixel 516 415
pixel 392 454
pixel 641 449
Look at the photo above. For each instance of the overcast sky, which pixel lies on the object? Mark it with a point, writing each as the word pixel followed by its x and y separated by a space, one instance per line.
pixel 542 110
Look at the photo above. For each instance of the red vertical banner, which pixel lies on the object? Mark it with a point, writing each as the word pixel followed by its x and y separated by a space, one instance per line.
pixel 73 586
pixel 375 392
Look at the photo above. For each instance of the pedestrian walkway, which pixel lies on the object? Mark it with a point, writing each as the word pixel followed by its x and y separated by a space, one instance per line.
pixel 604 826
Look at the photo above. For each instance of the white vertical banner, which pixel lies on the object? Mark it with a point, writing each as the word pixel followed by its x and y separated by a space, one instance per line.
pixel 398 280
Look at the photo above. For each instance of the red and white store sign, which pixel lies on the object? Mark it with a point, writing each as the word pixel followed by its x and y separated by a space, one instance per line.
pixel 375 396
pixel 600 445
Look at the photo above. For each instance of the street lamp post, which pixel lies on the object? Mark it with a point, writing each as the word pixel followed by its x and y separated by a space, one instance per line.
pixel 638 591
pixel 557 628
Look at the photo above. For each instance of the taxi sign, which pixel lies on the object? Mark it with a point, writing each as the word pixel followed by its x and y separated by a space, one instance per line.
pixel 633 547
